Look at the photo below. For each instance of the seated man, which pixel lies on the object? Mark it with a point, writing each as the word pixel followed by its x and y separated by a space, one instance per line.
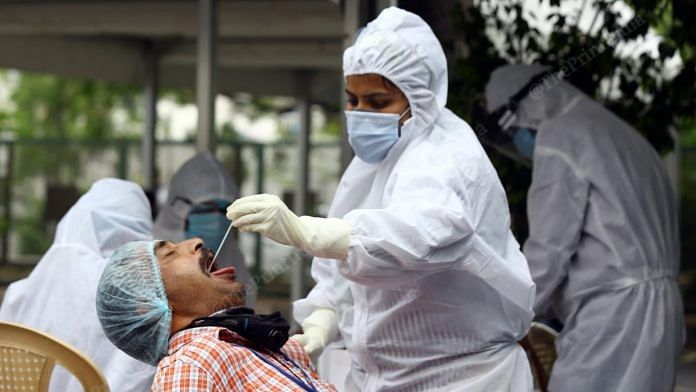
pixel 166 304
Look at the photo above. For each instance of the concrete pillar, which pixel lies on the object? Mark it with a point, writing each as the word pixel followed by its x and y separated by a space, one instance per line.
pixel 302 184
pixel 356 14
pixel 206 74
pixel 151 94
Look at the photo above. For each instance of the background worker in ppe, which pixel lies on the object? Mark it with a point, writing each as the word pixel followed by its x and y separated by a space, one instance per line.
pixel 603 247
pixel 197 197
pixel 417 271
pixel 58 296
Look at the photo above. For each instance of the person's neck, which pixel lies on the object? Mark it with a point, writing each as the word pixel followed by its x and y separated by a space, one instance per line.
pixel 180 322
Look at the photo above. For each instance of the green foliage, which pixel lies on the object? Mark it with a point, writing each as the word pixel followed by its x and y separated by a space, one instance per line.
pixel 31 228
pixel 57 108
pixel 688 225
pixel 54 108
pixel 630 82
pixel 332 128
pixel 4 120
pixel 228 133
pixel 466 99
pixel 688 131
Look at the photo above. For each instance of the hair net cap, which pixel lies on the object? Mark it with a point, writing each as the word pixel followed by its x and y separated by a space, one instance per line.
pixel 132 304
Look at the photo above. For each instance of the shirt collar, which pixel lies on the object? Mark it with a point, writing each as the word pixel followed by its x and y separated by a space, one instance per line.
pixel 182 338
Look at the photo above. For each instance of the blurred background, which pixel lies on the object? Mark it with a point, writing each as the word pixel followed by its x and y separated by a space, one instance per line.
pixel 132 89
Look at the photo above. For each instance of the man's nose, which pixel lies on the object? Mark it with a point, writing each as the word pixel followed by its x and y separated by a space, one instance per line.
pixel 193 245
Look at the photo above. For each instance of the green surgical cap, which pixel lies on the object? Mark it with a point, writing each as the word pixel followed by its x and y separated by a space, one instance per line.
pixel 132 305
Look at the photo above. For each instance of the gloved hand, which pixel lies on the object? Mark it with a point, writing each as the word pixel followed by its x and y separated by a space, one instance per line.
pixel 270 217
pixel 318 330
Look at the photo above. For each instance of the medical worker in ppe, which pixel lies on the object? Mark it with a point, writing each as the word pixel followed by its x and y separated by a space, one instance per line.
pixel 603 247
pixel 199 193
pixel 417 271
pixel 58 296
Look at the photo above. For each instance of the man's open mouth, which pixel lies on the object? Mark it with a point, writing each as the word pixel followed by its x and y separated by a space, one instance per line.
pixel 206 261
pixel 211 269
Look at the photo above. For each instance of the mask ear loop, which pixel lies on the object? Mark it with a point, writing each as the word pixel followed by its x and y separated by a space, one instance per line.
pixel 408 109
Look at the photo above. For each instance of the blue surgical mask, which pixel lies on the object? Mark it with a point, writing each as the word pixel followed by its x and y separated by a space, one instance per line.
pixel 524 139
pixel 207 221
pixel 373 134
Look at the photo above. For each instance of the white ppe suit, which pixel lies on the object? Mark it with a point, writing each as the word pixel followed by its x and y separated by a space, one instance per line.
pixel 435 292
pixel 603 247
pixel 58 297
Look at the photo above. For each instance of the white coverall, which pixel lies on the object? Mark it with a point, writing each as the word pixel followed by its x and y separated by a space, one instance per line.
pixel 604 243
pixel 58 297
pixel 435 292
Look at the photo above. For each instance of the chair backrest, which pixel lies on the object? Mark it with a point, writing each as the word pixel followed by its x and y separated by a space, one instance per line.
pixel 540 345
pixel 28 356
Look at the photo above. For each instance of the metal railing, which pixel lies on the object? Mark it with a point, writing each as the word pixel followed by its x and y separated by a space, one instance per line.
pixel 46 161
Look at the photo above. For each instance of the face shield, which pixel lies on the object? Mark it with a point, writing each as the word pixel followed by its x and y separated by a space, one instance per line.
pixel 207 221
pixel 499 130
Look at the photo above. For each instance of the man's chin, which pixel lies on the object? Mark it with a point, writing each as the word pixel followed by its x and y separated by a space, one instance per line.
pixel 237 296
pixel 230 297
pixel 241 293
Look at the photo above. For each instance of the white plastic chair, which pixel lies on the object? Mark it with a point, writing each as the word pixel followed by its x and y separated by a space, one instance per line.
pixel 540 345
pixel 28 357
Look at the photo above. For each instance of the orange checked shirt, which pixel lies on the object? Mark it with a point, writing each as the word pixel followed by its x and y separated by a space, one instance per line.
pixel 218 360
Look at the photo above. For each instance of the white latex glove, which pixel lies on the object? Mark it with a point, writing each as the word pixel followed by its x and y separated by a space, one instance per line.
pixel 318 330
pixel 270 217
